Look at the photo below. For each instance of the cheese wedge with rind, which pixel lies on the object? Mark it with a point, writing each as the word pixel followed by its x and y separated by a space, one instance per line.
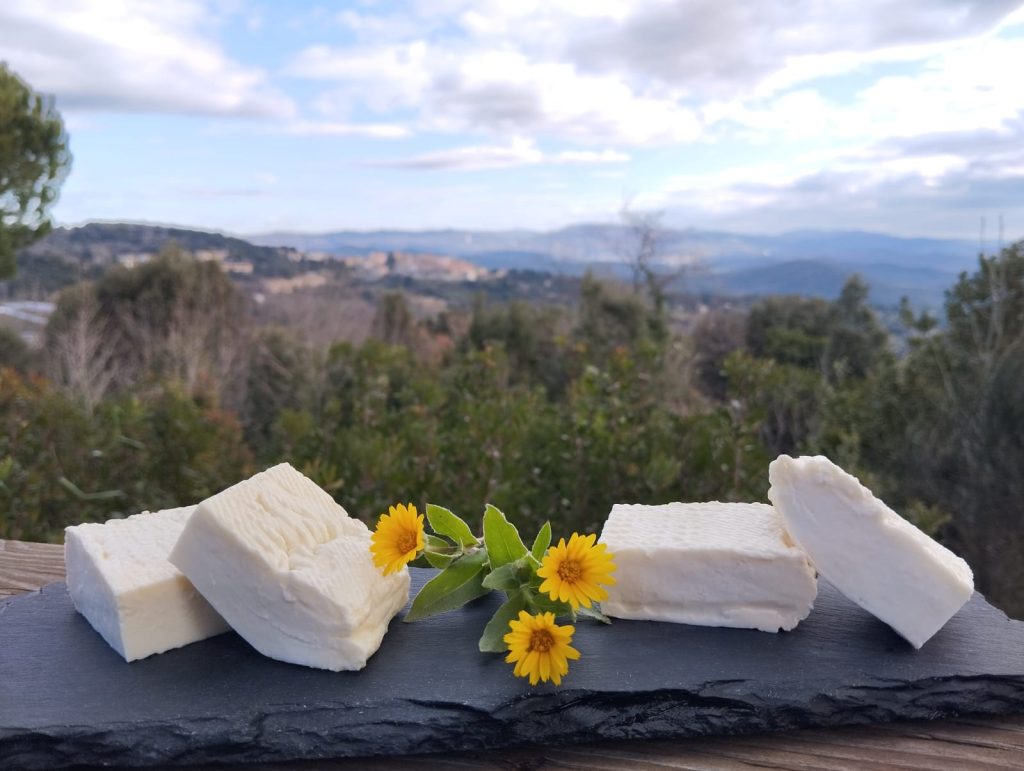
pixel 869 552
pixel 709 564
pixel 119 578
pixel 290 571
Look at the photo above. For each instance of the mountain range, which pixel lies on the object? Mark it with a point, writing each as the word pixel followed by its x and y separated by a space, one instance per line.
pixel 813 262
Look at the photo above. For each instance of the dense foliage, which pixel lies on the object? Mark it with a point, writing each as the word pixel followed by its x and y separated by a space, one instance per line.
pixel 33 159
pixel 160 392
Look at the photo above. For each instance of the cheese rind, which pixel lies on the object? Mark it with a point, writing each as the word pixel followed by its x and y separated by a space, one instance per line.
pixel 290 571
pixel 869 552
pixel 119 578
pixel 710 564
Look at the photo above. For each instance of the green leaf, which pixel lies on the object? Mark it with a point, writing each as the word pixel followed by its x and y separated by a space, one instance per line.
pixel 541 542
pixel 104 495
pixel 453 587
pixel 436 544
pixel 501 538
pixel 542 603
pixel 439 553
pixel 593 612
pixel 492 640
pixel 443 522
pixel 439 561
pixel 505 578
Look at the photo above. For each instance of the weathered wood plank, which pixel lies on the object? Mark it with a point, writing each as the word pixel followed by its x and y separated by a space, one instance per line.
pixel 963 743
pixel 24 567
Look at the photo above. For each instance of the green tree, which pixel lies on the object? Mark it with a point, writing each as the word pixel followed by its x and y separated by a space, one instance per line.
pixel 14 352
pixel 856 341
pixel 61 464
pixel 393 322
pixel 534 338
pixel 610 319
pixel 964 394
pixel 789 330
pixel 280 377
pixel 173 318
pixel 34 158
pixel 839 339
pixel 717 333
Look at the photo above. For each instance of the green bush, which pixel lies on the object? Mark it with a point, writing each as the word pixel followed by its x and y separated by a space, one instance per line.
pixel 551 414
pixel 61 464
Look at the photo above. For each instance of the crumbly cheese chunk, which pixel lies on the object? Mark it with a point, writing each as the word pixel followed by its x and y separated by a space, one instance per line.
pixel 119 578
pixel 872 555
pixel 711 564
pixel 290 571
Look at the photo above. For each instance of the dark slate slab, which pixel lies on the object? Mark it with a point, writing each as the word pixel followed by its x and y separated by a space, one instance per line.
pixel 65 697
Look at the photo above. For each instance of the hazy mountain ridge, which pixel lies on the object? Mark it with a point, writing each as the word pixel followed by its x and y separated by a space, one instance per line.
pixel 820 278
pixel 806 262
pixel 102 243
pixel 610 243
pixel 814 262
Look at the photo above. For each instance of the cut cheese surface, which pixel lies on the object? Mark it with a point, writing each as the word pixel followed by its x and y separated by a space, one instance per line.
pixel 290 571
pixel 711 564
pixel 119 578
pixel 872 555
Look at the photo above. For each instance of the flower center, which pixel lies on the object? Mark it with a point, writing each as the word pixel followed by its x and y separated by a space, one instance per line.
pixel 569 571
pixel 407 542
pixel 541 640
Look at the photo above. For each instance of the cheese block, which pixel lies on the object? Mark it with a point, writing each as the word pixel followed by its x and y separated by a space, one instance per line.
pixel 872 555
pixel 119 578
pixel 290 571
pixel 711 564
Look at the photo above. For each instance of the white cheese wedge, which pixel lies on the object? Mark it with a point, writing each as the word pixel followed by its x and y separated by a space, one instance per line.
pixel 711 564
pixel 290 571
pixel 872 555
pixel 119 578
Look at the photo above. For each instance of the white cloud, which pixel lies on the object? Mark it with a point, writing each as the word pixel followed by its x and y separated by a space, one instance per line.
pixel 909 186
pixel 517 152
pixel 849 104
pixel 970 86
pixel 640 73
pixel 968 90
pixel 307 128
pixel 383 77
pixel 712 48
pixel 589 156
pixel 493 91
pixel 132 55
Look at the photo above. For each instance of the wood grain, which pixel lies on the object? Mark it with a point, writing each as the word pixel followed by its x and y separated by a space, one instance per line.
pixel 24 567
pixel 963 743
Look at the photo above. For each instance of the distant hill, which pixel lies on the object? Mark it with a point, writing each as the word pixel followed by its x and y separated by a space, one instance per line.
pixel 925 287
pixel 814 262
pixel 101 244
pixel 806 262
pixel 597 243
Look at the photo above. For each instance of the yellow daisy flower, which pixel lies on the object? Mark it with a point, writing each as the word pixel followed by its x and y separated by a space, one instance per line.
pixel 539 647
pixel 397 539
pixel 574 572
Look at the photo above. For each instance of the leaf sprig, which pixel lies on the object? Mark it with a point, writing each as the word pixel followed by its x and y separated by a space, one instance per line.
pixel 471 567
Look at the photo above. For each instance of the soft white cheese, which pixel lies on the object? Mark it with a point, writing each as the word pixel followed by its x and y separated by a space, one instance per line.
pixel 871 554
pixel 119 578
pixel 290 571
pixel 711 564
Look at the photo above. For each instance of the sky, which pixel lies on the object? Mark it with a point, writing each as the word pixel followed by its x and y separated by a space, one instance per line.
pixel 904 117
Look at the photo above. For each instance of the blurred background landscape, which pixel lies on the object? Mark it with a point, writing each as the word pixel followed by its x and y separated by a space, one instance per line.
pixel 551 258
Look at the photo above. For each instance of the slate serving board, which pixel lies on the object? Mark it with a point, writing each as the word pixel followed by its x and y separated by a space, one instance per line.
pixel 65 697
